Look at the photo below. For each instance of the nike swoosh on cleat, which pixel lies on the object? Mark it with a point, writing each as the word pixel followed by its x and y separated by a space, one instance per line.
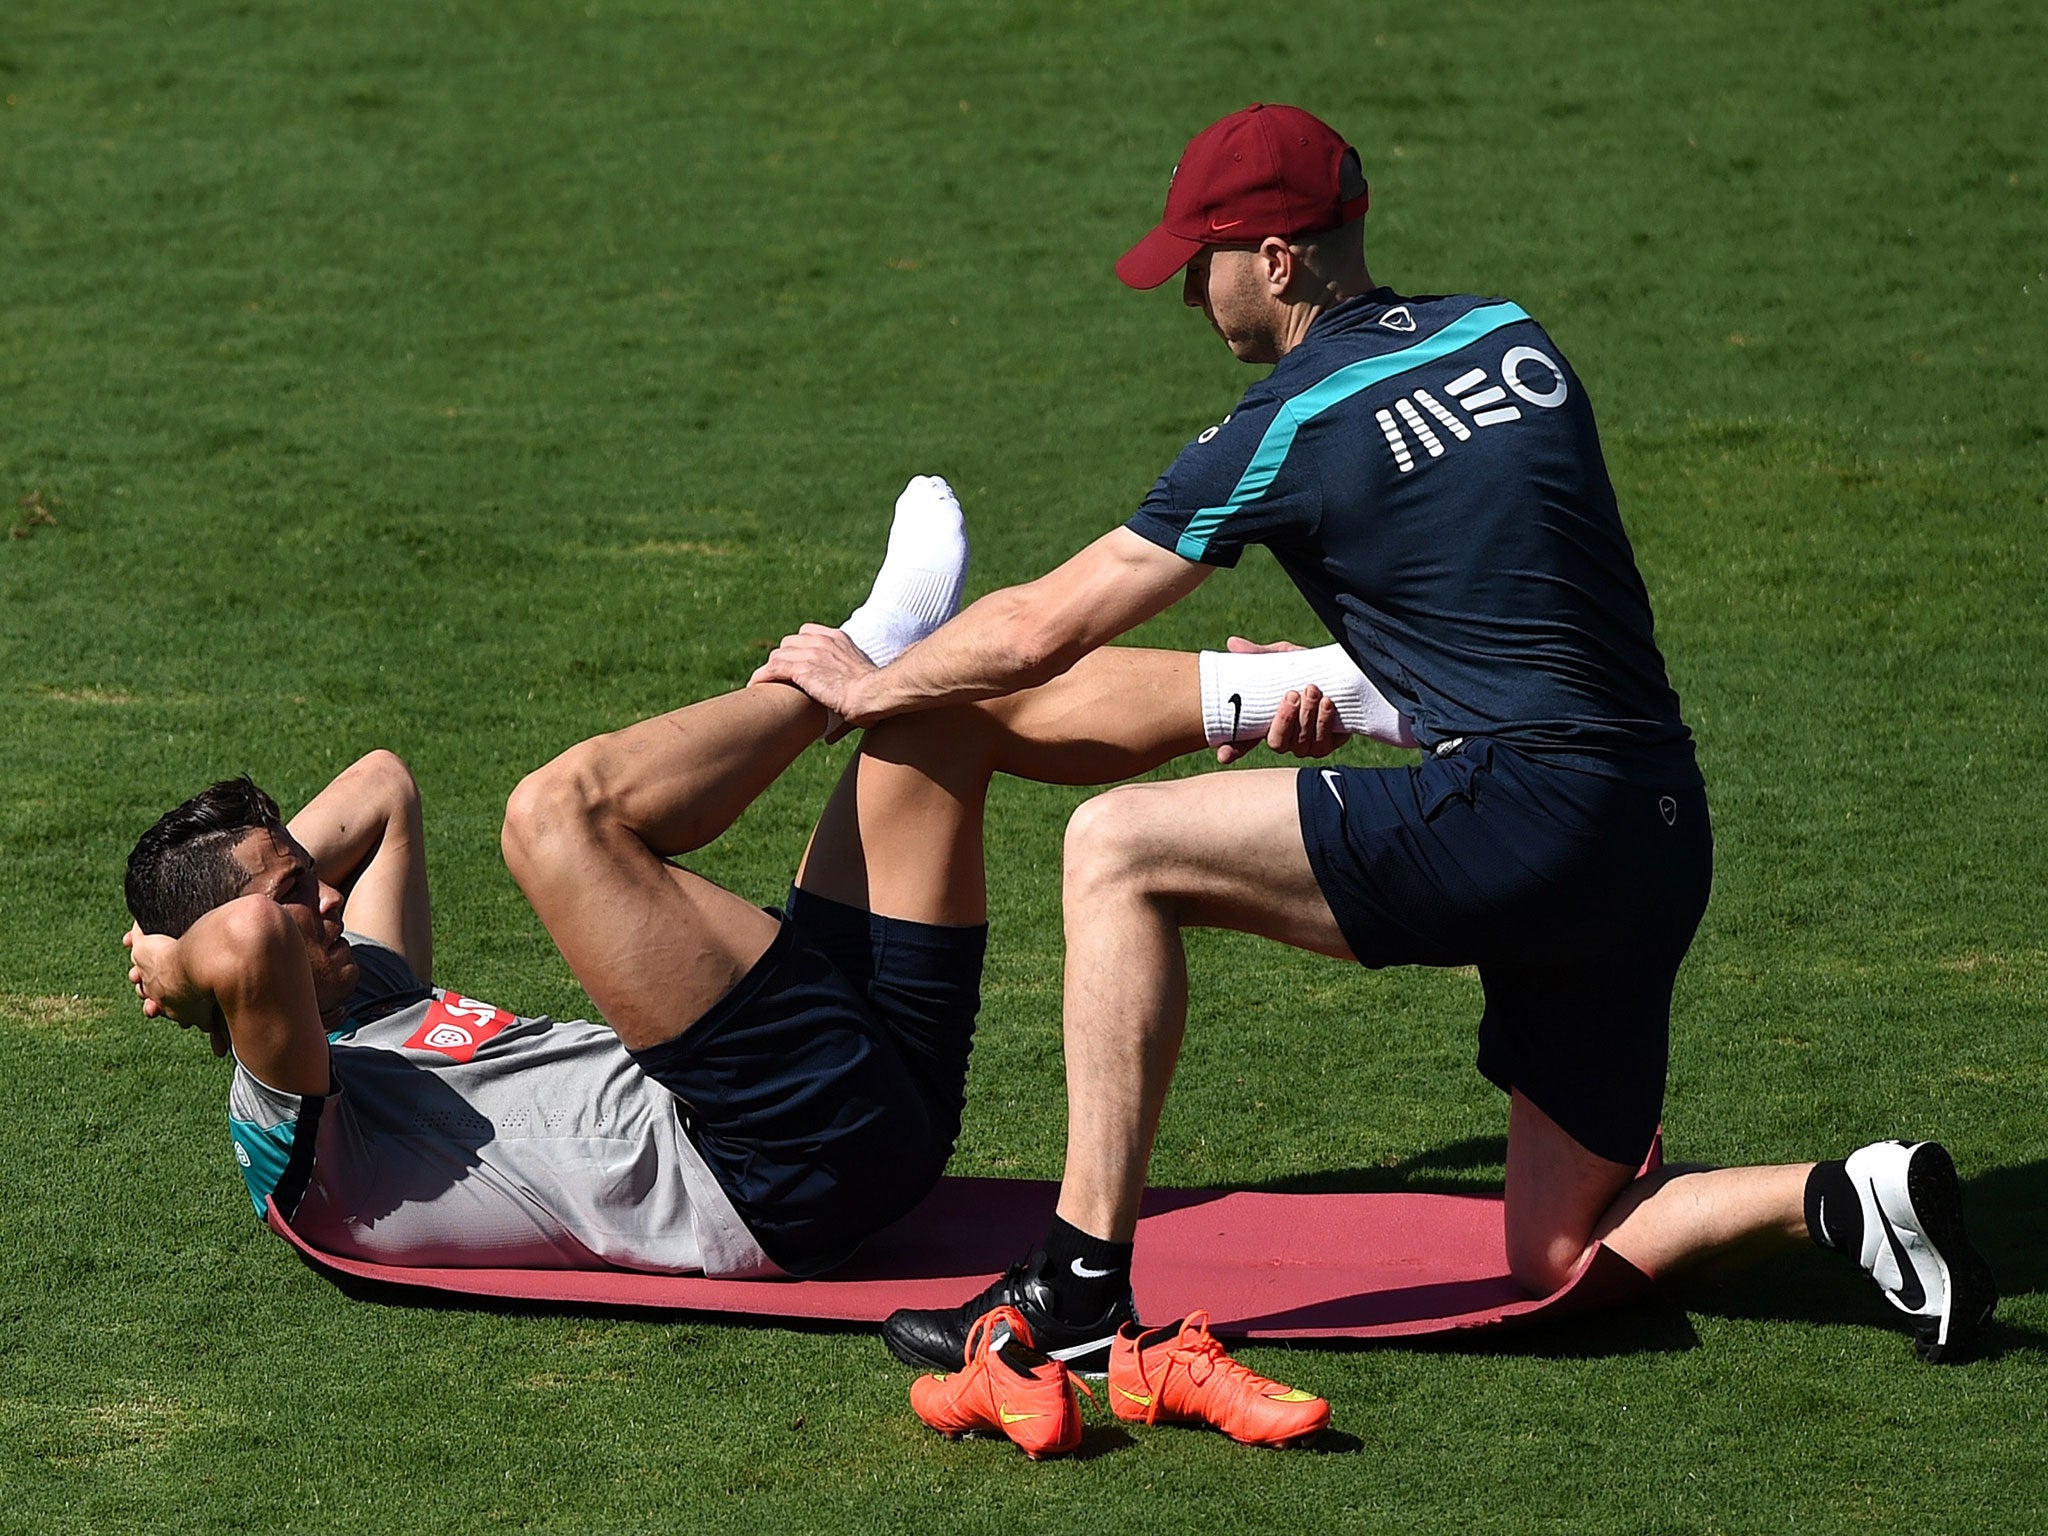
pixel 1008 1417
pixel 1292 1395
pixel 1912 1294
pixel 1236 713
pixel 1142 1399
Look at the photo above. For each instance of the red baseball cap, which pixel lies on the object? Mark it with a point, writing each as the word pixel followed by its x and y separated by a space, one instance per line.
pixel 1268 170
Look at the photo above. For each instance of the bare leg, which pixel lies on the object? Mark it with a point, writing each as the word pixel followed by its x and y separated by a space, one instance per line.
pixel 902 835
pixel 1142 863
pixel 1561 1199
pixel 588 837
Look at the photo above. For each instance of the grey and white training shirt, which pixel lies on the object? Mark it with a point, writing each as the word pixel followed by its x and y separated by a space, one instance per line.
pixel 460 1135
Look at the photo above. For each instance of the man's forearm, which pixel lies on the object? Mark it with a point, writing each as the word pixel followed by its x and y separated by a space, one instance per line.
pixel 351 820
pixel 1026 635
pixel 368 842
pixel 998 645
pixel 1016 638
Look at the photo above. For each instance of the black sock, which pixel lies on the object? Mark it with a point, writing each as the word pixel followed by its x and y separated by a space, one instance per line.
pixel 1087 1275
pixel 1834 1216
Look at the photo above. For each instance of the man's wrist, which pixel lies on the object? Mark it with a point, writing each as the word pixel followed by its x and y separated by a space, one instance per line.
pixel 189 1001
pixel 863 695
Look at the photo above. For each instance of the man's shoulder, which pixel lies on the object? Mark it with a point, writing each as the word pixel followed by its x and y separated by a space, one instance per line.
pixel 459 1038
pixel 385 981
pixel 1386 324
pixel 1366 351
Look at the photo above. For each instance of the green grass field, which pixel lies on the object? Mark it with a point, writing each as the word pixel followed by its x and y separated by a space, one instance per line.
pixel 468 378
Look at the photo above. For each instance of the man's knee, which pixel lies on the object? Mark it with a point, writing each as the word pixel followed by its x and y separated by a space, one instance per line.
pixel 1542 1261
pixel 1105 846
pixel 1559 1197
pixel 551 807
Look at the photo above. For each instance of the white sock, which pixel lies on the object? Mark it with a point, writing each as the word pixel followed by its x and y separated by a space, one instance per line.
pixel 1241 694
pixel 918 587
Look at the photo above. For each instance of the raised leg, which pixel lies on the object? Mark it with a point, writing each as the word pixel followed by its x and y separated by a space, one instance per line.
pixel 588 837
pixel 902 834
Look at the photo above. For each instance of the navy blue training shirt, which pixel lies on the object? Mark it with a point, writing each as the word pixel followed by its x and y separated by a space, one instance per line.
pixel 1428 472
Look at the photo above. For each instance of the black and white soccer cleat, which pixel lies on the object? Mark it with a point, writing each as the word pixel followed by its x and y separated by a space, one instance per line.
pixel 935 1339
pixel 1915 1247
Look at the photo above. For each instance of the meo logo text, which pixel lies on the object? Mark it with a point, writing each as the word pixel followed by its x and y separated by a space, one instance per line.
pixel 1531 376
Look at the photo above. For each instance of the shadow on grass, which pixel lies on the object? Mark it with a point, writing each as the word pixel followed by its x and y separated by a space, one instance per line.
pixel 1099 1440
pixel 1331 1442
pixel 1469 1167
pixel 1654 1326
pixel 2004 1210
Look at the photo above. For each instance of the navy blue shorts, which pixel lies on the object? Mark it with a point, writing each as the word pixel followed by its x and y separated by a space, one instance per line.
pixel 825 1089
pixel 1575 894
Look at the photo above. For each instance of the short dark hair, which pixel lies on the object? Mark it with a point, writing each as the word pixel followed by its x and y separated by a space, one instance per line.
pixel 184 866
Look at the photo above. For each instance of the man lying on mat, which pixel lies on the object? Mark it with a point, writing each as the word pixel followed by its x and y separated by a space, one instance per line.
pixel 772 1088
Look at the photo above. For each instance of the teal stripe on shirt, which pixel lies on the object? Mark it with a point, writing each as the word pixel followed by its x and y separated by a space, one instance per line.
pixel 264 1151
pixel 1335 390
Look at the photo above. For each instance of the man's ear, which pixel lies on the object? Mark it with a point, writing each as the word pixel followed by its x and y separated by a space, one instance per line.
pixel 1277 263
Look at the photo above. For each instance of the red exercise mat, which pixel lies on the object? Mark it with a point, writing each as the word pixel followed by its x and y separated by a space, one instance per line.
pixel 1264 1265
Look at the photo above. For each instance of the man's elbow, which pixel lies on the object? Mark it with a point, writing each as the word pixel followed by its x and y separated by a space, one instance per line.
pixel 247 941
pixel 388 784
pixel 1036 657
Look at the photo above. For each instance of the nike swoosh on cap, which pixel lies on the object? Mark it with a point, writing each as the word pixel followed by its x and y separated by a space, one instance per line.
pixel 1216 228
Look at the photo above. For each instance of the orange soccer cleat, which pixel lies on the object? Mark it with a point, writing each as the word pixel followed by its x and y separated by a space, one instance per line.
pixel 1006 1387
pixel 1181 1375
